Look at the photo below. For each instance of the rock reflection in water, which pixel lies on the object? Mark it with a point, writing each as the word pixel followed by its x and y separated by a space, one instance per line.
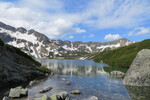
pixel 139 92
pixel 75 67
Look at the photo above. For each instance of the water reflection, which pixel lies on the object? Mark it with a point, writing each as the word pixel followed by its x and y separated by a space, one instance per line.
pixel 74 67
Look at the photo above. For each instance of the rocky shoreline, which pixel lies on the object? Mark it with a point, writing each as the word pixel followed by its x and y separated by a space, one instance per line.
pixel 20 92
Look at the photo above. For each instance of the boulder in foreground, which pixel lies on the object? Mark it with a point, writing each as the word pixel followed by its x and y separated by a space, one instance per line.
pixel 139 71
pixel 18 92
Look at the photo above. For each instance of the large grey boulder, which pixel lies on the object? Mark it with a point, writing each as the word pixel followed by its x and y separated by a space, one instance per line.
pixel 139 71
pixel 18 92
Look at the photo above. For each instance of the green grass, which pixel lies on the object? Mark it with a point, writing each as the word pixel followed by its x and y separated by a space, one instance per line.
pixel 123 56
pixel 110 69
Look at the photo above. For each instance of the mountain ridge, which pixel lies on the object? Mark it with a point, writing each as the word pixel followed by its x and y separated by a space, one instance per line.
pixel 39 45
pixel 121 57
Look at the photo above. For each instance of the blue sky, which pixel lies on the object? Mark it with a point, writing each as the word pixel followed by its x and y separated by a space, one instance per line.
pixel 81 20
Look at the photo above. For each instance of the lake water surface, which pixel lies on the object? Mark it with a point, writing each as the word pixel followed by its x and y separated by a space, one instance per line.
pixel 88 77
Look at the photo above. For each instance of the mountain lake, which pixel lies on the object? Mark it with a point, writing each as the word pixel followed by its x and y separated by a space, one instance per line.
pixel 87 77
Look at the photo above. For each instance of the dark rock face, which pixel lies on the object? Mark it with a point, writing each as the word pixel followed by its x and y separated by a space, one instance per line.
pixel 22 30
pixel 8 27
pixel 16 67
pixel 139 71
pixel 40 46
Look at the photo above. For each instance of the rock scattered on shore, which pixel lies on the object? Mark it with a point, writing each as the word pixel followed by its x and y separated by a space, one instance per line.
pixel 46 89
pixel 18 92
pixel 117 73
pixel 75 92
pixel 44 97
pixel 59 96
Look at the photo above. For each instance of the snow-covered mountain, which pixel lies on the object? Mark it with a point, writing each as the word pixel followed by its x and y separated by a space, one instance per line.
pixel 40 46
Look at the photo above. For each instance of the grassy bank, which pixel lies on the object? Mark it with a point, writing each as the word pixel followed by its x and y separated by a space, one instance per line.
pixel 123 56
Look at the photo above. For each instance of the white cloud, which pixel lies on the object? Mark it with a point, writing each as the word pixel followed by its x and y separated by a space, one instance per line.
pixel 49 16
pixel 111 37
pixel 139 31
pixel 78 30
pixel 91 35
pixel 117 13
pixel 35 16
pixel 70 37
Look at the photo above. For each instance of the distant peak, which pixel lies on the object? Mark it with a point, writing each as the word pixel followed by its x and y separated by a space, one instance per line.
pixel 21 29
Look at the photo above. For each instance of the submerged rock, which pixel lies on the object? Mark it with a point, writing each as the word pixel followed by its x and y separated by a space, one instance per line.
pixel 117 73
pixel 139 71
pixel 93 98
pixel 68 83
pixel 75 92
pixel 46 89
pixel 18 92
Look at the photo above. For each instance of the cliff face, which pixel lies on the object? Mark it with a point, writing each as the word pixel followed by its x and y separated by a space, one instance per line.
pixel 139 71
pixel 16 66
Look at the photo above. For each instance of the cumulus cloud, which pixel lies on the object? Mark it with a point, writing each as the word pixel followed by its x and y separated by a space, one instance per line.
pixel 139 31
pixel 111 37
pixel 35 16
pixel 51 18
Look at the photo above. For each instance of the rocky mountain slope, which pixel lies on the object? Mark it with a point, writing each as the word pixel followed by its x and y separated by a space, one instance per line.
pixel 17 67
pixel 40 46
